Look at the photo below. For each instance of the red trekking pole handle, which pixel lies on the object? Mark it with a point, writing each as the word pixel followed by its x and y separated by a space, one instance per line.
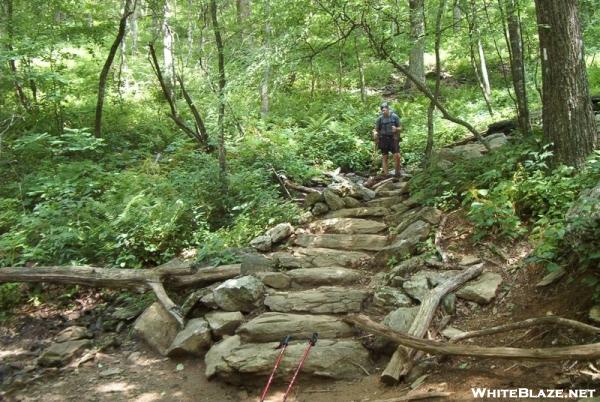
pixel 282 345
pixel 311 342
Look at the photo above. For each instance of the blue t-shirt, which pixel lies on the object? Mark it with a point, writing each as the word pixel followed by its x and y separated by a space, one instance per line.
pixel 384 124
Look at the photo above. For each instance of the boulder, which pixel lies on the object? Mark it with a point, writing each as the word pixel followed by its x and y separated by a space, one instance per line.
pixel 239 294
pixel 224 322
pixel 252 263
pixel 157 328
pixel 361 212
pixel 481 290
pixel 368 242
pixel 323 276
pixel 467 151
pixel 318 257
pixel 401 319
pixel 72 333
pixel 334 201
pixel 335 359
pixel 348 188
pixel 214 358
pixel 275 280
pixel 351 202
pixel 431 215
pixel 60 353
pixel 312 198
pixel 347 226
pixel 194 339
pixel 273 326
pixel 389 298
pixel 262 243
pixel 419 284
pixel 320 208
pixel 280 232
pixel 326 299
pixel 496 140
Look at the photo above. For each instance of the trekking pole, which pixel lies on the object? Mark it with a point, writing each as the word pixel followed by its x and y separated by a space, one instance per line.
pixel 311 342
pixel 282 345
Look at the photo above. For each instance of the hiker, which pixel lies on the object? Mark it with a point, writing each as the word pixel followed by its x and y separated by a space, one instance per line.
pixel 388 129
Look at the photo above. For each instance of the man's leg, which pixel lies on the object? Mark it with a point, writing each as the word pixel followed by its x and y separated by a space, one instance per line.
pixel 384 164
pixel 397 161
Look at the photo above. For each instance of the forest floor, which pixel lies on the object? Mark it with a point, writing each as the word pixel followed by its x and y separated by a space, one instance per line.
pixel 128 371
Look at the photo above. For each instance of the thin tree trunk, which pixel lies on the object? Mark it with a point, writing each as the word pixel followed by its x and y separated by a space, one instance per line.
pixel 517 64
pixel 222 82
pixel 168 59
pixel 481 70
pixel 568 119
pixel 436 93
pixel 361 72
pixel 19 92
pixel 242 15
pixel 416 63
pixel 133 31
pixel 264 85
pixel 106 67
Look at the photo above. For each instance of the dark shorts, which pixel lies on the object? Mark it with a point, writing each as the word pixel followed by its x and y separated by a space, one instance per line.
pixel 389 143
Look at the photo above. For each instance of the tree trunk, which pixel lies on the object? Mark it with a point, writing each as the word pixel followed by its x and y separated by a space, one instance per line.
pixel 361 71
pixel 567 116
pixel 219 43
pixel 456 16
pixel 264 85
pixel 436 93
pixel 19 92
pixel 168 59
pixel 416 63
pixel 517 64
pixel 480 71
pixel 106 68
pixel 242 15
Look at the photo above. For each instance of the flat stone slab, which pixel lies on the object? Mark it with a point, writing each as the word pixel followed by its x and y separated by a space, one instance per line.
pixel 300 257
pixel 59 354
pixel 336 359
pixel 481 290
pixel 273 326
pixel 325 299
pixel 224 322
pixel 323 276
pixel 367 242
pixel 361 212
pixel 347 226
pixel 385 202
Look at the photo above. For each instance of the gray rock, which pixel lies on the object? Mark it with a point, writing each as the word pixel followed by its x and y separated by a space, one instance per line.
pixel 280 232
pixel 318 257
pixel 239 294
pixel 361 212
pixel 449 303
pixel 334 201
pixel 419 284
pixel 405 243
pixel 467 151
pixel 351 202
pixel 451 332
pixel 336 359
pixel 326 299
pixel 275 280
pixel 312 198
pixel 157 328
pixel 224 322
pixel 594 313
pixel 401 319
pixel 320 208
pixel 348 188
pixel 262 243
pixel 209 300
pixel 194 339
pixel 368 242
pixel 214 358
pixel 73 333
pixel 496 140
pixel 252 263
pixel 347 226
pixel 385 202
pixel 552 277
pixel 469 260
pixel 274 326
pixel 388 298
pixel 481 290
pixel 431 215
pixel 59 354
pixel 323 276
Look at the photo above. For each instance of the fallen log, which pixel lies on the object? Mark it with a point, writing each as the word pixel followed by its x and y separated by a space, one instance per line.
pixel 580 352
pixel 402 359
pixel 176 276
pixel 531 322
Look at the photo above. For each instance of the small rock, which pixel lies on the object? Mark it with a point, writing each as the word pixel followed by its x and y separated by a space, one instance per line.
pixel 449 303
pixel 134 357
pixel 262 243
pixel 72 334
pixel 58 354
pixel 239 294
pixel 253 262
pixel 195 338
pixel 320 208
pixel 334 201
pixel 388 298
pixel 401 319
pixel 275 280
pixel 110 372
pixel 483 289
pixel 280 232
pixel 469 260
pixel 224 323
pixel 451 332
pixel 312 198
pixel 351 202
pixel 594 313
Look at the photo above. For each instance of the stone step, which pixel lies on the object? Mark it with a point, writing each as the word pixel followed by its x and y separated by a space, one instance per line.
pixel 361 212
pixel 336 359
pixel 300 257
pixel 347 226
pixel 273 326
pixel 322 276
pixel 325 299
pixel 368 242
pixel 386 202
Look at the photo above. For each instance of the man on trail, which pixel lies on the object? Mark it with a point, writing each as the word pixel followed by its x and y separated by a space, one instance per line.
pixel 388 129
